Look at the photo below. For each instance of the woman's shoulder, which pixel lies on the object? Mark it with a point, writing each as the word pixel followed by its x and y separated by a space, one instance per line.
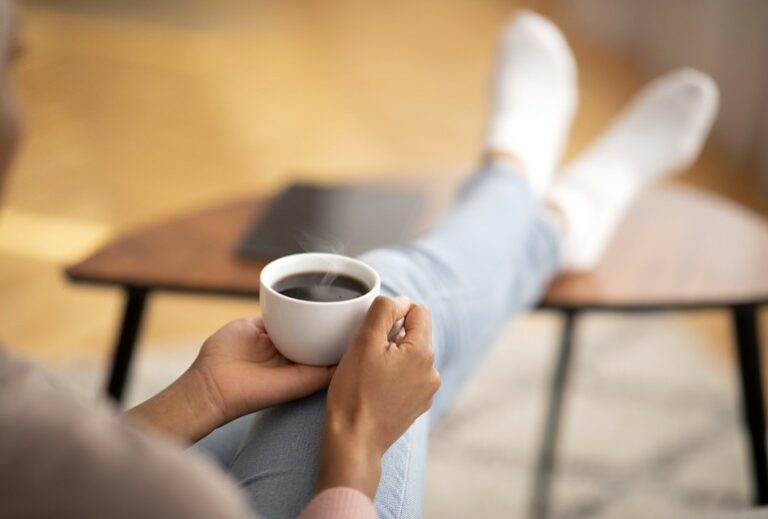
pixel 86 461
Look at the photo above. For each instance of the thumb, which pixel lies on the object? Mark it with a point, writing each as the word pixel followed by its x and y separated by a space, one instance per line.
pixel 297 380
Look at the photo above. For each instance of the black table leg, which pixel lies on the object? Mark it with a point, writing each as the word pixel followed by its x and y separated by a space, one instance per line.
pixel 135 300
pixel 545 463
pixel 750 370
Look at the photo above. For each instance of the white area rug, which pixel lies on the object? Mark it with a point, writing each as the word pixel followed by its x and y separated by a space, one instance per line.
pixel 651 428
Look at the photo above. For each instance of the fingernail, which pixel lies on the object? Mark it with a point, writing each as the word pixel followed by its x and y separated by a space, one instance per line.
pixel 396 331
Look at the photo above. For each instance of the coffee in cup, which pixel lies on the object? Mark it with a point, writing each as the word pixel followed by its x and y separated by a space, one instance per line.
pixel 321 287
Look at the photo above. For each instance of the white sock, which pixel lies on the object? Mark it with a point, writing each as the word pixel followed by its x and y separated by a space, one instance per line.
pixel 660 132
pixel 534 96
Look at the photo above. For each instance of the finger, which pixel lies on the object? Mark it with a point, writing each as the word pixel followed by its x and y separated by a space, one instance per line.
pixel 297 381
pixel 418 327
pixel 251 325
pixel 398 330
pixel 258 322
pixel 384 313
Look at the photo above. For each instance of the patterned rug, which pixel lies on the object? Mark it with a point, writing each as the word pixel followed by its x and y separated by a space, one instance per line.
pixel 651 426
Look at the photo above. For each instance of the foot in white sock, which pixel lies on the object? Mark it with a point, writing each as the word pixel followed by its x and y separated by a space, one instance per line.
pixel 534 96
pixel 660 132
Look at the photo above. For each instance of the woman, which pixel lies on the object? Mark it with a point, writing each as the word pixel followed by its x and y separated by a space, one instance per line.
pixel 289 447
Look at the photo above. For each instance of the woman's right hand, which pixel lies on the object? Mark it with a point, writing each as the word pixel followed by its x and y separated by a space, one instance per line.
pixel 378 390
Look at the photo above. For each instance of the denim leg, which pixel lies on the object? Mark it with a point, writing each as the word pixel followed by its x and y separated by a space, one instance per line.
pixel 489 257
pixel 223 443
pixel 278 460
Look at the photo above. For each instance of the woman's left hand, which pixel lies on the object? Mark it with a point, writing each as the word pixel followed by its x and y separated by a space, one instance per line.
pixel 245 373
pixel 238 371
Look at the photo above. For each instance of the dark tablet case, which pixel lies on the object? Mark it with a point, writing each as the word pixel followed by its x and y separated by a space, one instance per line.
pixel 344 219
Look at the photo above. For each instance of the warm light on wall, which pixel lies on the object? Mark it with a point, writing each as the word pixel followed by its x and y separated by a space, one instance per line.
pixel 48 238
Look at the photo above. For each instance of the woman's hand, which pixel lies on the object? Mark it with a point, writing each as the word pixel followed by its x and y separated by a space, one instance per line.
pixel 238 371
pixel 246 373
pixel 378 390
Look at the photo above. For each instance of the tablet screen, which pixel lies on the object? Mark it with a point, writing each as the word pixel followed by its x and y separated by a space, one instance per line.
pixel 343 219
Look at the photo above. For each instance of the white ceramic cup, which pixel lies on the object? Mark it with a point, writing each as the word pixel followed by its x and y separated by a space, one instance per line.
pixel 312 332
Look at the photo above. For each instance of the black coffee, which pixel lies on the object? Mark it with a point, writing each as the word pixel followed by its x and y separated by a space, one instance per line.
pixel 321 287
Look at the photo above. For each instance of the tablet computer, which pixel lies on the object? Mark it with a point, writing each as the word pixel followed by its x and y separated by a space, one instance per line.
pixel 343 219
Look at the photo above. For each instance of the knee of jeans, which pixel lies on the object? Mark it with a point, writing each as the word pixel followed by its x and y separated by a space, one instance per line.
pixel 412 271
pixel 550 240
pixel 393 266
pixel 543 256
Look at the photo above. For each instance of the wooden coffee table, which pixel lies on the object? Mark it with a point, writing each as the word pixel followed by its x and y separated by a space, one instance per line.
pixel 679 249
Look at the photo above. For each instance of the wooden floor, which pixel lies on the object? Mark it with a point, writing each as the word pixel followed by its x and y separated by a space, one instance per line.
pixel 135 114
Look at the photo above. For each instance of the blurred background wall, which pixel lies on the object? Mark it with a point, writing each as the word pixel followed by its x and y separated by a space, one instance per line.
pixel 727 39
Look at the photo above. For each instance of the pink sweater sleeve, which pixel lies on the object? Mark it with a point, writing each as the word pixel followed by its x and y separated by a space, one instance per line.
pixel 340 503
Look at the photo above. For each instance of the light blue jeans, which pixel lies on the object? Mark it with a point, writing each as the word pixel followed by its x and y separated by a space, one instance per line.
pixel 488 258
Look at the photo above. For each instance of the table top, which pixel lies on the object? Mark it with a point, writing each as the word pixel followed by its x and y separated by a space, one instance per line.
pixel 678 247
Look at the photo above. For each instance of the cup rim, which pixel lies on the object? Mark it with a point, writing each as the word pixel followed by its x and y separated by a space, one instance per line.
pixel 268 287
